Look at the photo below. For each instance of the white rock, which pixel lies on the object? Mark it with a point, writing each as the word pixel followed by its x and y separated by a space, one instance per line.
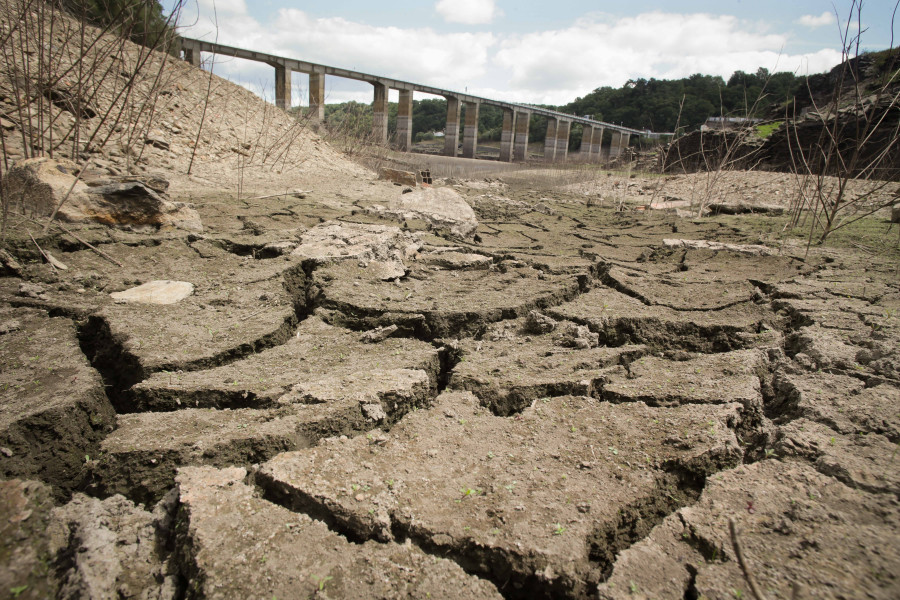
pixel 161 291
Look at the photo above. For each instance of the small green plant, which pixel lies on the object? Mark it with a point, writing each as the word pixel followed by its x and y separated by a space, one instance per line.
pixel 632 586
pixel 17 591
pixel 613 450
pixel 770 452
pixel 466 492
pixel 321 581
pixel 558 529
pixel 737 593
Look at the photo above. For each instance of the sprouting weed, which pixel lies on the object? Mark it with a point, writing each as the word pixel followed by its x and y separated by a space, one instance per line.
pixel 558 529
pixel 321 581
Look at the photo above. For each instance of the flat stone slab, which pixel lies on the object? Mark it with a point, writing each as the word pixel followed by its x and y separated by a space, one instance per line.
pixel 508 368
pixel 751 249
pixel 442 207
pixel 156 292
pixel 455 259
pixel 622 319
pixel 795 525
pixel 384 248
pixel 443 303
pixel 707 379
pixel 53 409
pixel 234 544
pixel 538 501
pixel 319 364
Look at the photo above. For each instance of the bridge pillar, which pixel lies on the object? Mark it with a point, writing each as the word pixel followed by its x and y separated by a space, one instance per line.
pixel 451 131
pixel 587 138
pixel 192 56
pixel 614 145
pixel 586 152
pixel 317 96
pixel 597 144
pixel 507 135
pixel 470 131
pixel 523 120
pixel 550 140
pixel 404 120
pixel 282 86
pixel 623 143
pixel 380 113
pixel 562 139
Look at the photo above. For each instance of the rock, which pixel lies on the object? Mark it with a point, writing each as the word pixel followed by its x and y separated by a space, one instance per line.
pixel 452 259
pixel 156 183
pixel 9 266
pixel 397 176
pixel 385 249
pixel 157 139
pixel 535 322
pixel 576 336
pixel 156 292
pixel 133 203
pixel 41 184
pixel 444 208
pixel 378 334
pixel 752 249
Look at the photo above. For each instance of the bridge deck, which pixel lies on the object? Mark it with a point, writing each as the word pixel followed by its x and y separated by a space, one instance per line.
pixel 310 68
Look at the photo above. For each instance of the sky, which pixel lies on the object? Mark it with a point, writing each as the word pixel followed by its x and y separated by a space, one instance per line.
pixel 527 51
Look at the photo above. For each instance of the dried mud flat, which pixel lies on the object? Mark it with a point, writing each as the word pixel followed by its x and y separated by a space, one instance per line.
pixel 564 405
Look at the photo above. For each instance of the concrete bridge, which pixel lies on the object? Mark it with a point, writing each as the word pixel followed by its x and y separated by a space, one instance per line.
pixel 516 117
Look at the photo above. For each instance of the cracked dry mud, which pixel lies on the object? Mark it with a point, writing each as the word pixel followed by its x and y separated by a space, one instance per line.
pixel 565 405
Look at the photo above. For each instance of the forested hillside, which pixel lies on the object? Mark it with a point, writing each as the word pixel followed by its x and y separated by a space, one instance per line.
pixel 652 104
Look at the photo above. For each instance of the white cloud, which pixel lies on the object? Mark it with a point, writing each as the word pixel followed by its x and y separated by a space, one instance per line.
pixel 450 60
pixel 551 66
pixel 826 18
pixel 238 7
pixel 468 12
pixel 558 65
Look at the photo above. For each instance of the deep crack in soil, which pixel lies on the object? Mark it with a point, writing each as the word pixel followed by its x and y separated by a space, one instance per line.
pixel 551 419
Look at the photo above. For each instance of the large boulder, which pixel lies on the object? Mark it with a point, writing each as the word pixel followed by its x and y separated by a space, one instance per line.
pixel 444 208
pixel 38 185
